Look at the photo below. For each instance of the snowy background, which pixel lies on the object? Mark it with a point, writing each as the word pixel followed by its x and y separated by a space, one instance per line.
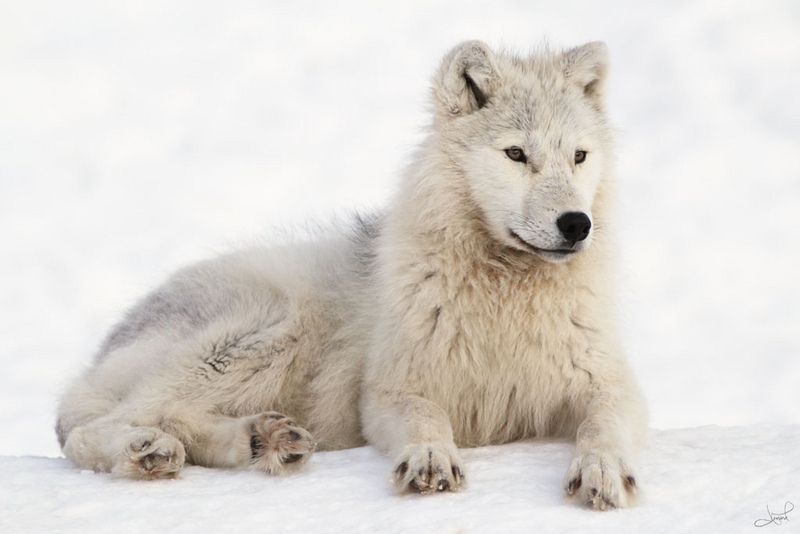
pixel 136 137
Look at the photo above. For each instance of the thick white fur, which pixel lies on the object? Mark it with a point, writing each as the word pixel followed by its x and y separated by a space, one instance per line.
pixel 445 322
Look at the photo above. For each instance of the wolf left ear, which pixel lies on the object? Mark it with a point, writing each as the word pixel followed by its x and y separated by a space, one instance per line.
pixel 587 67
pixel 467 79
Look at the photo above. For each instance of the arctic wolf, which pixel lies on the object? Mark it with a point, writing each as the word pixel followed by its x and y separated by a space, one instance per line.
pixel 475 310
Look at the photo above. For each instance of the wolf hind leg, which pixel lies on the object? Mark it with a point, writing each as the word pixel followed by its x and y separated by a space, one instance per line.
pixel 129 451
pixel 269 442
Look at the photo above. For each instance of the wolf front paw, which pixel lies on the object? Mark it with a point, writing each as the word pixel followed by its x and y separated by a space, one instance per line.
pixel 151 454
pixel 601 480
pixel 276 443
pixel 429 467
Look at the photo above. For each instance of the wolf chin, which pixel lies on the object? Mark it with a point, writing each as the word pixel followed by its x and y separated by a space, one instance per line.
pixel 475 310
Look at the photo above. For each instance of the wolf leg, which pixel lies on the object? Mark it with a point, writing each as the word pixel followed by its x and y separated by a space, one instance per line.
pixel 269 442
pixel 111 445
pixel 417 433
pixel 601 474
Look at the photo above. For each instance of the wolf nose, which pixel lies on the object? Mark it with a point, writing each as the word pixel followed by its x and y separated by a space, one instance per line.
pixel 574 226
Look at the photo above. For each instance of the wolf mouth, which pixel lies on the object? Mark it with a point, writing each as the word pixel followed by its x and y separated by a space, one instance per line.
pixel 525 244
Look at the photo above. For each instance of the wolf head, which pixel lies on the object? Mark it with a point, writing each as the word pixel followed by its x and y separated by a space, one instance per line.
pixel 530 140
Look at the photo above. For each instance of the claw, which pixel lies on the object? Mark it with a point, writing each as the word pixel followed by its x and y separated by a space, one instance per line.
pixel 401 470
pixel 457 474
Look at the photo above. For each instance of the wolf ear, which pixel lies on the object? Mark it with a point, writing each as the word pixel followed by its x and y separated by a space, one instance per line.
pixel 467 79
pixel 587 67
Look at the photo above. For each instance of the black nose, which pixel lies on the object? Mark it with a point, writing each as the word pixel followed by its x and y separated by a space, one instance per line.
pixel 574 226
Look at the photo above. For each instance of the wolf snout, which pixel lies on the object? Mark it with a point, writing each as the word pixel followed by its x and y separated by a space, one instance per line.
pixel 574 226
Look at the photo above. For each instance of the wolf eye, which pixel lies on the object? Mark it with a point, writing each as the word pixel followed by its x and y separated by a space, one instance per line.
pixel 580 156
pixel 515 153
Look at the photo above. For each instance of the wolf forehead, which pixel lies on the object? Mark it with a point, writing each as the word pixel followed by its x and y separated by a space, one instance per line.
pixel 547 90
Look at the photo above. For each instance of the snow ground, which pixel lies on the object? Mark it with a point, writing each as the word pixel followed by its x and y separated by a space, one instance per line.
pixel 139 136
pixel 709 479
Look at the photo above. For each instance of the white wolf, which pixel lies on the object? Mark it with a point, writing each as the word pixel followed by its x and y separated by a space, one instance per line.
pixel 472 312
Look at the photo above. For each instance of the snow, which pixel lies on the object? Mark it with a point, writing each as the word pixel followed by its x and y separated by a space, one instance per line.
pixel 709 479
pixel 139 136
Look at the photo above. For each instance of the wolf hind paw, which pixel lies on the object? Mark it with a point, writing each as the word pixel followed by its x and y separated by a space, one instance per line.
pixel 278 444
pixel 151 454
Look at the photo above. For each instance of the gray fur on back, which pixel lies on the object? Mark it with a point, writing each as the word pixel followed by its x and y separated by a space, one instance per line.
pixel 195 296
pixel 184 303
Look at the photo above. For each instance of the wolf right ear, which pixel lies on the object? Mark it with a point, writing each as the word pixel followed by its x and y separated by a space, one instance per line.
pixel 587 67
pixel 467 79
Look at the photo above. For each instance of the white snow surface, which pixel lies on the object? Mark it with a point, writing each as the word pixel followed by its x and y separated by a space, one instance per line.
pixel 708 479
pixel 136 137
